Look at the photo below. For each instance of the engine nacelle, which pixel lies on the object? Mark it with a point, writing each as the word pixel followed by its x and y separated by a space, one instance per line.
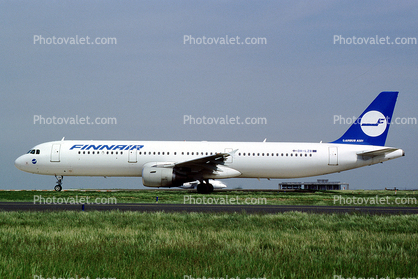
pixel 161 175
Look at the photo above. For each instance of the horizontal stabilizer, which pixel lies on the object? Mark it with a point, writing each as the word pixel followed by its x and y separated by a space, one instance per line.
pixel 375 153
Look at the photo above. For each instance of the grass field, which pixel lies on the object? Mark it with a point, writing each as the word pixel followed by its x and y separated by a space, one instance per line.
pixel 117 244
pixel 348 197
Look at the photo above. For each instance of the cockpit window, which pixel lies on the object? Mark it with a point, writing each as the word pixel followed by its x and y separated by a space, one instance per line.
pixel 34 151
pixel 38 151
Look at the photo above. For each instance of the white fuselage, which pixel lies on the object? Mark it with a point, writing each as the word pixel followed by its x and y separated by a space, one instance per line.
pixel 248 159
pixel 173 163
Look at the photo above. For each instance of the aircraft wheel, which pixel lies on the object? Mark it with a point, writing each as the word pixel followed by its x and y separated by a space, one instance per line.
pixel 204 188
pixel 200 188
pixel 209 188
pixel 58 188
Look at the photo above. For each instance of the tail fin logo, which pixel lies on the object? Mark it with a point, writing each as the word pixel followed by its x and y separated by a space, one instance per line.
pixel 373 123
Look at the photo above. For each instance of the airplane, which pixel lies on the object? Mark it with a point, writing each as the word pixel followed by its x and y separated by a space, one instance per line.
pixel 173 163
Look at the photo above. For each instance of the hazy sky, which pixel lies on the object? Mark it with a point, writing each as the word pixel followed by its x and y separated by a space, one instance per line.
pixel 149 78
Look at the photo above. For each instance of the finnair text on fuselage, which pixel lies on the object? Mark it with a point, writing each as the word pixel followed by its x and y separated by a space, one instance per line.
pixel 105 147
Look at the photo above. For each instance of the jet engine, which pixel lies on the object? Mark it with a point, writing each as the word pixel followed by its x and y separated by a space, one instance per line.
pixel 162 174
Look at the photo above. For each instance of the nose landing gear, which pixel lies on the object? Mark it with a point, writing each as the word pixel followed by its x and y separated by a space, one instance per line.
pixel 58 187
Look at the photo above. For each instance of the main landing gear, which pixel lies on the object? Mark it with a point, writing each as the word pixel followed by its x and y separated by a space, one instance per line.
pixel 58 187
pixel 204 187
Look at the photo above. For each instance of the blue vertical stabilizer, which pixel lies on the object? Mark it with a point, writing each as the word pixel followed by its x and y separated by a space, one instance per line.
pixel 372 126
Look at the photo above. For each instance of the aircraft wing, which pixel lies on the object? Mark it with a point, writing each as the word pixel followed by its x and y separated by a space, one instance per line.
pixel 208 166
pixel 211 160
pixel 375 153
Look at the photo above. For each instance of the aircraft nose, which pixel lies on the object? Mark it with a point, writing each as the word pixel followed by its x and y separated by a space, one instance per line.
pixel 20 163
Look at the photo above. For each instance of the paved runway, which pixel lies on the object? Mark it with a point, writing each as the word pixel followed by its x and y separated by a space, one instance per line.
pixel 150 207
